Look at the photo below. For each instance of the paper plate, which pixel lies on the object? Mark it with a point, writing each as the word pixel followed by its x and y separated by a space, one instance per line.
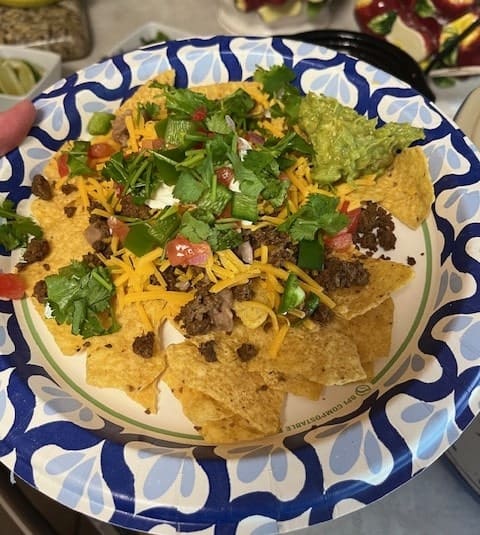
pixel 97 453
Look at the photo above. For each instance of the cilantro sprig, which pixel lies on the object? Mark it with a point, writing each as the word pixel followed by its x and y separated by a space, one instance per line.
pixel 81 296
pixel 318 213
pixel 140 173
pixel 277 82
pixel 16 229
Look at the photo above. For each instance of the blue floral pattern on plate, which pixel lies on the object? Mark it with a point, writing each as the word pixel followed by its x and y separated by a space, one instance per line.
pixel 415 409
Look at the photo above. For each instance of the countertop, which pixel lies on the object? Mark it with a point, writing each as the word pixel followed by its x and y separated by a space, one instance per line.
pixel 437 501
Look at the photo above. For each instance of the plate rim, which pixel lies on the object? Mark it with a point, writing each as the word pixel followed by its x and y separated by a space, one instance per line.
pixel 220 40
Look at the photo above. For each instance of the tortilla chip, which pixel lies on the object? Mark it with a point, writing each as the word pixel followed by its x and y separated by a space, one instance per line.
pixel 148 93
pixel 372 331
pixel 322 354
pixel 228 430
pixel 369 368
pixel 405 190
pixel 215 422
pixel 223 89
pixel 197 407
pixel 67 245
pixel 386 277
pixel 147 397
pixel 293 384
pixel 230 384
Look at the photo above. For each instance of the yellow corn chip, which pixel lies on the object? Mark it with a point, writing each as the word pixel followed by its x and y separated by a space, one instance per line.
pixel 405 190
pixel 322 354
pixel 198 407
pixel 228 430
pixel 294 384
pixel 372 331
pixel 230 384
pixel 386 277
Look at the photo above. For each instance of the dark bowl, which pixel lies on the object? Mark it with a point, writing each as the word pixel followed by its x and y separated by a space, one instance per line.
pixel 372 50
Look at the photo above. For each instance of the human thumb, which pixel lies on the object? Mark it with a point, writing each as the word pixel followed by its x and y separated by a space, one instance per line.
pixel 15 124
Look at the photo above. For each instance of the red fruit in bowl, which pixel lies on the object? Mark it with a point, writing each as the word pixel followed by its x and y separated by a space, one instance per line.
pixel 428 27
pixel 451 9
pixel 376 17
pixel 468 50
pixel 402 23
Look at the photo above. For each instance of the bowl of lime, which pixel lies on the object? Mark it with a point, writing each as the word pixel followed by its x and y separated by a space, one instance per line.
pixel 25 73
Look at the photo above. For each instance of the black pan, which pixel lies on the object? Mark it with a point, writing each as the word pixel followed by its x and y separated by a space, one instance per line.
pixel 372 50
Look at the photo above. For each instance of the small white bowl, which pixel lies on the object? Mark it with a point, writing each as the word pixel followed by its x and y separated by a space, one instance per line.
pixel 48 63
pixel 145 34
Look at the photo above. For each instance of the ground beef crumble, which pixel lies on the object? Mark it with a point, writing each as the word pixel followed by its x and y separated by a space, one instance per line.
pixel 280 246
pixel 339 273
pixel 207 349
pixel 130 209
pixel 37 250
pixel 206 312
pixel 375 229
pixel 246 352
pixel 69 211
pixel 41 188
pixel 68 188
pixel 40 291
pixel 144 345
pixel 322 314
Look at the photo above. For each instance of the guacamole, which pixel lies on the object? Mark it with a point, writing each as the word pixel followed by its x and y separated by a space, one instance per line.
pixel 348 145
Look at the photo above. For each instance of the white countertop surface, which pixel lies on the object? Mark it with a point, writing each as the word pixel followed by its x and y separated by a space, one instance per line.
pixel 435 502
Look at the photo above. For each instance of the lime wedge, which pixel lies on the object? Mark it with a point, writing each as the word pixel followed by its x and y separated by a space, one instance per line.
pixel 24 74
pixel 9 82
pixel 36 71
pixel 17 77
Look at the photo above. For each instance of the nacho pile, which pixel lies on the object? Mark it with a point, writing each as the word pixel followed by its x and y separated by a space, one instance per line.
pixel 199 208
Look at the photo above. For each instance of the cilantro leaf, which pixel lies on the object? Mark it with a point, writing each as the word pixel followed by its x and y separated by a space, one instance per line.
pixel 139 173
pixel 188 189
pixel 277 82
pixel 238 105
pixel 218 123
pixel 182 103
pixel 78 159
pixel 219 236
pixel 275 191
pixel 16 230
pixel 318 213
pixel 81 296
pixel 149 110
pixel 194 229
pixel 274 80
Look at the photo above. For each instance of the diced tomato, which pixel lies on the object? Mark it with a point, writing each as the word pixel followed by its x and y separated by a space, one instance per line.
pixel 182 252
pixel 340 242
pixel 353 217
pixel 225 175
pixel 118 228
pixel 100 150
pixel 199 114
pixel 254 138
pixel 226 212
pixel 62 165
pixel 12 286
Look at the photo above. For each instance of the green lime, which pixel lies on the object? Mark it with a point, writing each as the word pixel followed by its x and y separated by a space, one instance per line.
pixel 36 71
pixel 24 74
pixel 9 82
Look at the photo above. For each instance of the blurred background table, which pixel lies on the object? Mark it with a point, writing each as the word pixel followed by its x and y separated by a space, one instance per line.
pixel 113 20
